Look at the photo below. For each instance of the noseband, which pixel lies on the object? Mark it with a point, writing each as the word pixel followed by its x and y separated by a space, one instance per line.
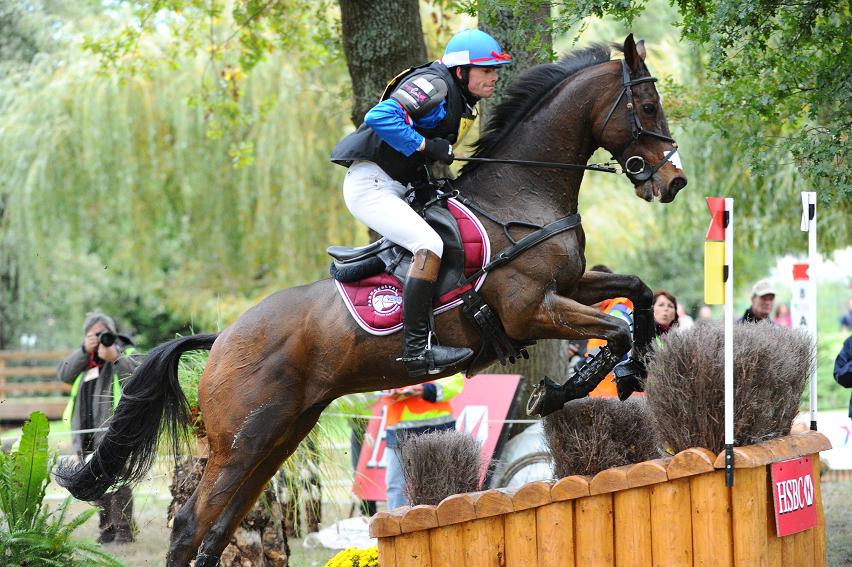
pixel 635 167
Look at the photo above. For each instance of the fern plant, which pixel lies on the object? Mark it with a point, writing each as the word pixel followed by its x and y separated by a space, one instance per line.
pixel 32 536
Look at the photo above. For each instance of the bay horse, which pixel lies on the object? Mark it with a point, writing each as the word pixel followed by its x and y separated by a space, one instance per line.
pixel 271 373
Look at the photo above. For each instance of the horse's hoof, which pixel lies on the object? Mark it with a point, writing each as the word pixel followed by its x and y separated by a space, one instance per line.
pixel 629 376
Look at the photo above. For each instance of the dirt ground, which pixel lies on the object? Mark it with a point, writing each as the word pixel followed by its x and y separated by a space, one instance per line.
pixel 152 542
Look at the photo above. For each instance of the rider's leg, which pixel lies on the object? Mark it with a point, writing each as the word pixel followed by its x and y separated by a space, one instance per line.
pixel 375 199
pixel 418 353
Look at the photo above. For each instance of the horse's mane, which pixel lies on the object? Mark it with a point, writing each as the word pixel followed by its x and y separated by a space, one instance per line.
pixel 527 91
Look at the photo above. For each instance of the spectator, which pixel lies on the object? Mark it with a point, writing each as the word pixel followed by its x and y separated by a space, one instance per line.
pixel 846 320
pixel 705 313
pixel 843 368
pixel 762 298
pixel 782 316
pixel 415 410
pixel 665 312
pixel 96 372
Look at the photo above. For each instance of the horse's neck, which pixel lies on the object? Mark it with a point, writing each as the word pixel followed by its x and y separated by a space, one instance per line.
pixel 558 131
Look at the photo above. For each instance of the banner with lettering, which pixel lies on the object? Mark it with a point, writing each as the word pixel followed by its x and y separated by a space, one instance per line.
pixel 479 409
pixel 793 494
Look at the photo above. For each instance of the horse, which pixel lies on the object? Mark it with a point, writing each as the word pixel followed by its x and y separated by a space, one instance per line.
pixel 272 372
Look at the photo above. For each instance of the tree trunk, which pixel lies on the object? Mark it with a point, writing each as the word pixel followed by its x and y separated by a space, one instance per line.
pixel 259 540
pixel 380 40
pixel 527 38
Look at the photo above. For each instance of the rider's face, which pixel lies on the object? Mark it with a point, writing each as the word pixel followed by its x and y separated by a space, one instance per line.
pixel 482 81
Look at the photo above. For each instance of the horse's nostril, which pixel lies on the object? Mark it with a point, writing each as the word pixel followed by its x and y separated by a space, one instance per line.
pixel 677 184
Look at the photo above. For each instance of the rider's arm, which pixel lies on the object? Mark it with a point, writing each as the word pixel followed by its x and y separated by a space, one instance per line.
pixel 419 101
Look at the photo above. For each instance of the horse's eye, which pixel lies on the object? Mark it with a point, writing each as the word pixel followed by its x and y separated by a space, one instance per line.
pixel 649 108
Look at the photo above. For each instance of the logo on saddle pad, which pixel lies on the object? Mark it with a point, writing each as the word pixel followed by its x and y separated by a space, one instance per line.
pixel 385 300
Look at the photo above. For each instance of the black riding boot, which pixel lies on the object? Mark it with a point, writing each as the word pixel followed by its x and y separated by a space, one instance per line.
pixel 419 355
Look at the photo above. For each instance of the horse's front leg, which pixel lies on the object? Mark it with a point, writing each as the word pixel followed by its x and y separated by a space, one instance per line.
pixel 594 287
pixel 559 317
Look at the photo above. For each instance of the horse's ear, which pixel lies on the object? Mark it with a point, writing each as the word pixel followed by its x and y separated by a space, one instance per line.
pixel 640 49
pixel 631 54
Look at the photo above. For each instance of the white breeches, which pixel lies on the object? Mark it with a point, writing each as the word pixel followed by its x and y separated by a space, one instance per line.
pixel 375 199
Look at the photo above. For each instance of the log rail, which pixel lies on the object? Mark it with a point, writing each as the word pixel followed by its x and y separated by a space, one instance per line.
pixel 668 512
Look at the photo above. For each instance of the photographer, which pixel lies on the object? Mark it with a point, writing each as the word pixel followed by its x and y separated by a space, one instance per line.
pixel 96 372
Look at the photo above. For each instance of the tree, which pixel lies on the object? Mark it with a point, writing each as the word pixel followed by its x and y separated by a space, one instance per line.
pixel 380 40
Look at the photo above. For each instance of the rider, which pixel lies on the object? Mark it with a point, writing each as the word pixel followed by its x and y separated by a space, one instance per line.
pixel 422 113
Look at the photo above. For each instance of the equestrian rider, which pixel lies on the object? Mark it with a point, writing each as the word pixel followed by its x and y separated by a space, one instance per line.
pixel 416 123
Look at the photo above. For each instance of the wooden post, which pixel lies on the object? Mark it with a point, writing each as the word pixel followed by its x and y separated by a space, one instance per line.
pixel 521 539
pixel 633 528
pixel 387 552
pixel 555 534
pixel 711 520
pixel 819 530
pixel 412 549
pixel 594 531
pixel 484 543
pixel 447 546
pixel 671 524
pixel 749 501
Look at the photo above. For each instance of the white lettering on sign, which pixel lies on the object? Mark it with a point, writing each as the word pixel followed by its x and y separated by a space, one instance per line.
pixel 795 494
pixel 474 421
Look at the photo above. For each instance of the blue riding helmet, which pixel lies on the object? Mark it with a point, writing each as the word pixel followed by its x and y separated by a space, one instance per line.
pixel 474 47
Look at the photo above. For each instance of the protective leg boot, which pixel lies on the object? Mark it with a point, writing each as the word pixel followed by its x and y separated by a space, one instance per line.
pixel 419 355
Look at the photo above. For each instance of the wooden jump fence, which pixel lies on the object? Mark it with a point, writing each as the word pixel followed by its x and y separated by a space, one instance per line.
pixel 666 512
pixel 28 383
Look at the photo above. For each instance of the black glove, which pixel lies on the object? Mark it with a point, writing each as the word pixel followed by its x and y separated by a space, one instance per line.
pixel 439 149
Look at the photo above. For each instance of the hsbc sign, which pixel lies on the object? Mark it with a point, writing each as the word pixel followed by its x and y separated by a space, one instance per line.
pixel 793 494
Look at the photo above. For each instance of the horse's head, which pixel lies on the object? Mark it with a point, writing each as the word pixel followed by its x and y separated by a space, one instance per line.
pixel 633 128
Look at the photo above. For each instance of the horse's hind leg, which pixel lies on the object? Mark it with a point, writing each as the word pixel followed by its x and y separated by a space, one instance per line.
pixel 220 533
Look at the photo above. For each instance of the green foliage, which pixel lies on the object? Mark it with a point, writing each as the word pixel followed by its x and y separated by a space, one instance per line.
pixel 24 475
pixel 36 537
pixel 775 85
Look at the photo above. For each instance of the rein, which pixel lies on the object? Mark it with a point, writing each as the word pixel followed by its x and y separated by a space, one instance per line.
pixel 549 164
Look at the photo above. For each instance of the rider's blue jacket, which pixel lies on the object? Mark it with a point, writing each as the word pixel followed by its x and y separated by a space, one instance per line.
pixel 396 127
pixel 426 102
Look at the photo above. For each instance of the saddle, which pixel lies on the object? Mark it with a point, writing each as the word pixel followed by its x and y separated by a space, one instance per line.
pixel 351 264
pixel 370 278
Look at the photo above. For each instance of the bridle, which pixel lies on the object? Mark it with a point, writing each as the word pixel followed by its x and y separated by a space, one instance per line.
pixel 634 166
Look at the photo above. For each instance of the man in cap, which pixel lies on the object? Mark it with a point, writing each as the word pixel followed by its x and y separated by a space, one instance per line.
pixel 762 299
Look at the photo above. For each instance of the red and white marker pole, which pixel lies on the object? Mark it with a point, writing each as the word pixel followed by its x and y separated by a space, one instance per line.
pixel 807 293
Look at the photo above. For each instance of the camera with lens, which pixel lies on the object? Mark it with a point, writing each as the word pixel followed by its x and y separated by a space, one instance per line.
pixel 106 338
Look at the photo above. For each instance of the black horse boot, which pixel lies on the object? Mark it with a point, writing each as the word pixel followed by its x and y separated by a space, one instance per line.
pixel 419 355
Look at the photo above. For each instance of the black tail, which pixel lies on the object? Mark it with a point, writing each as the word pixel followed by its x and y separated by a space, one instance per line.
pixel 128 449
